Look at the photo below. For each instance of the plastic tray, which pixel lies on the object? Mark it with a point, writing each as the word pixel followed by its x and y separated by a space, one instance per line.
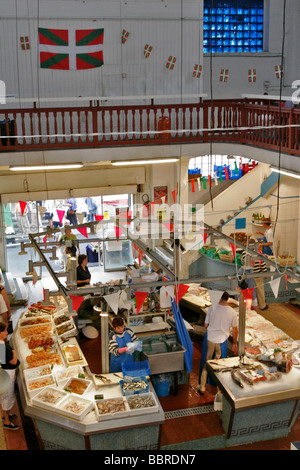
pixel 38 401
pixel 116 415
pixel 87 405
pixel 65 374
pixel 134 392
pixel 37 372
pixel 86 382
pixel 136 369
pixel 143 410
pixel 44 381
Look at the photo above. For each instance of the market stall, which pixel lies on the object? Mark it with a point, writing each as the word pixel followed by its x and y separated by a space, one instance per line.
pixel 71 407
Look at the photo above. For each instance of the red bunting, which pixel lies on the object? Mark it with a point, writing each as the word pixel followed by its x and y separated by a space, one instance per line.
pixel 118 231
pixel 248 293
pixel 23 206
pixel 193 185
pixel 60 215
pixel 180 291
pixel 209 180
pixel 76 302
pixel 174 195
pixel 83 231
pixel 99 217
pixel 152 204
pixel 226 172
pixel 140 298
pixel 233 248
pixel 286 279
pixel 169 226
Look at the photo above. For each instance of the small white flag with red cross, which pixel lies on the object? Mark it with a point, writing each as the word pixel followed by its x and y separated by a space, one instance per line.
pixel 147 50
pixel 252 75
pixel 224 75
pixel 197 71
pixel 279 71
pixel 125 35
pixel 171 62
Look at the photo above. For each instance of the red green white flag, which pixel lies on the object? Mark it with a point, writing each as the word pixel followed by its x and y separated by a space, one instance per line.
pixel 147 50
pixel 224 75
pixel 252 75
pixel 197 71
pixel 171 62
pixel 125 36
pixel 278 71
pixel 24 40
pixel 67 49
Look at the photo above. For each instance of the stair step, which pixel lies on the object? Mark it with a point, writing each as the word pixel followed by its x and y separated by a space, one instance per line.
pixel 9 284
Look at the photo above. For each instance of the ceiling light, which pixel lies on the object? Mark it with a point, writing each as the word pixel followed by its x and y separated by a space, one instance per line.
pixel 66 166
pixel 287 173
pixel 145 162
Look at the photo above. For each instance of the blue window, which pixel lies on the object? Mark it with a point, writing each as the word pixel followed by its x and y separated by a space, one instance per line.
pixel 241 21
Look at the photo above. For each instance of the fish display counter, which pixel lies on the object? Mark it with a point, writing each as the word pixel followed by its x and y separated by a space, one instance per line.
pixel 71 407
pixel 260 399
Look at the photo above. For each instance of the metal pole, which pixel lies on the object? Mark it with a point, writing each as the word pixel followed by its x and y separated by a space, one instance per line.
pixel 242 325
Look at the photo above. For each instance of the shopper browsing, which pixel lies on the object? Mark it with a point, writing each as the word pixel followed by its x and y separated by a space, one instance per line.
pixel 10 365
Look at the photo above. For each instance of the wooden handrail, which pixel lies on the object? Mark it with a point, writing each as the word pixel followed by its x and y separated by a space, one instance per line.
pixel 237 120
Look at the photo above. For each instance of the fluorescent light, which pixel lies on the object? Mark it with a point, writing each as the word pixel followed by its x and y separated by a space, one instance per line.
pixel 66 166
pixel 144 162
pixel 287 173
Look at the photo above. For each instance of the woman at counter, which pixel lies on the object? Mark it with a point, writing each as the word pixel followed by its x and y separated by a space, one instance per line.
pixel 83 273
pixel 10 365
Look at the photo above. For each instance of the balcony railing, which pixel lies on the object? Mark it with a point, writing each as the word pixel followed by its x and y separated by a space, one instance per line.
pixel 262 124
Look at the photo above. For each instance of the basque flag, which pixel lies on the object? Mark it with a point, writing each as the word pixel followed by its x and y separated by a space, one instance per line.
pixel 67 49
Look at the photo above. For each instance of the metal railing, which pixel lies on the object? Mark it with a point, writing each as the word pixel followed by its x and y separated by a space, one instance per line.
pixel 262 124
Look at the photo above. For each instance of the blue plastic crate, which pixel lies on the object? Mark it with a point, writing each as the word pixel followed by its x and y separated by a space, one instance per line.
pixel 136 369
pixel 134 392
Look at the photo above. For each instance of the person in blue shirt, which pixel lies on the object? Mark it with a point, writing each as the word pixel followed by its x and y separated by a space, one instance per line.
pixel 117 346
pixel 71 211
pixel 92 208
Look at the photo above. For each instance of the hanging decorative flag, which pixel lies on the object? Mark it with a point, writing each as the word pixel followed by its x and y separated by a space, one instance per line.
pixel 147 50
pixel 60 215
pixel 199 183
pixel 193 185
pixel 76 302
pixel 140 299
pixel 226 172
pixel 224 75
pixel 180 291
pixel 252 75
pixel 171 62
pixel 80 217
pixel 209 180
pixel 215 296
pixel 83 231
pixel 236 168
pixel 125 36
pixel 204 182
pixel 35 277
pixel 233 248
pixel 248 293
pixel 174 195
pixel 24 40
pixel 221 177
pixel 274 284
pixel 216 179
pixel 113 301
pixel 279 71
pixel 67 49
pixel 197 71
pixel 99 217
pixel 118 232
pixel 23 206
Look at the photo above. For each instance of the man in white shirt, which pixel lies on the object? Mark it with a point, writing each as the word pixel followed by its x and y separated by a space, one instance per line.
pixel 219 322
